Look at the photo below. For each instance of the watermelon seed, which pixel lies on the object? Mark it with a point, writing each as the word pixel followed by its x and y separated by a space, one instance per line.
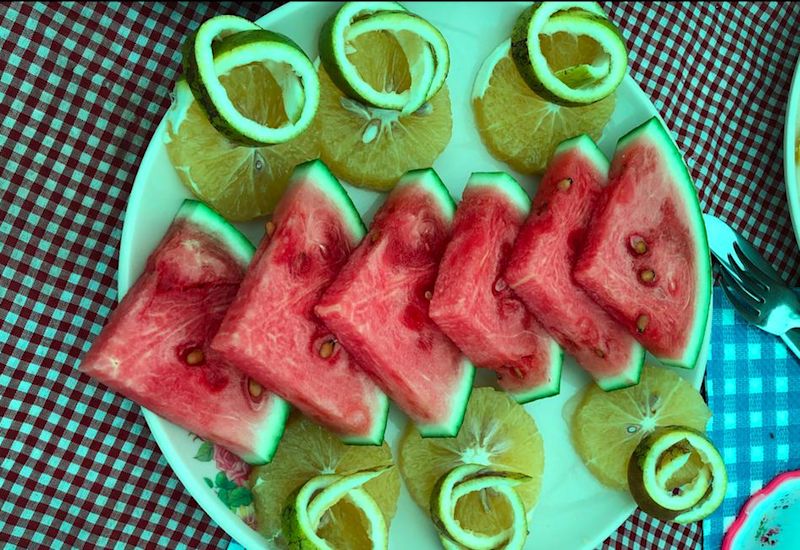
pixel 270 228
pixel 254 388
pixel 642 322
pixel 517 372
pixel 564 184
pixel 500 285
pixel 428 295
pixel 638 244
pixel 375 236
pixel 647 275
pixel 195 357
pixel 326 349
pixel 600 353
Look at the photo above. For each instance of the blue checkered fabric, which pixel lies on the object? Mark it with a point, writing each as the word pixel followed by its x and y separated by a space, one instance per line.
pixel 751 381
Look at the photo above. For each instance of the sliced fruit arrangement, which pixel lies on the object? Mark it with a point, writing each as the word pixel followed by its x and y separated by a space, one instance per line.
pixel 592 75
pixel 305 510
pixel 501 446
pixel 607 427
pixel 313 458
pixel 676 474
pixel 227 41
pixel 541 262
pixel 471 301
pixel 270 331
pixel 646 258
pixel 378 306
pixel 384 106
pixel 154 348
pixel 241 181
pixel 553 79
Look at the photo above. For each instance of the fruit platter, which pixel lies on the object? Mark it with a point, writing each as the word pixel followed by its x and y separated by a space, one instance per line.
pixel 400 275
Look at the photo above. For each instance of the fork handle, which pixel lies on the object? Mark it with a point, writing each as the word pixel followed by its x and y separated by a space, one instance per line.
pixel 792 340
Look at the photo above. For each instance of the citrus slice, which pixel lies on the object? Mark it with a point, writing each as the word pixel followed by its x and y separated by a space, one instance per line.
pixel 240 42
pixel 424 47
pixel 520 127
pixel 306 451
pixel 497 434
pixel 602 67
pixel 239 182
pixel 655 480
pixel 474 478
pixel 372 147
pixel 304 512
pixel 607 426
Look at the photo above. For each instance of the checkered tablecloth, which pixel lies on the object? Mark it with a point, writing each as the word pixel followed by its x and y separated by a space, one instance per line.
pixel 82 88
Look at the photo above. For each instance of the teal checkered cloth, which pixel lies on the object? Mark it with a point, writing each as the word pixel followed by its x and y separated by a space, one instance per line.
pixel 82 88
pixel 756 422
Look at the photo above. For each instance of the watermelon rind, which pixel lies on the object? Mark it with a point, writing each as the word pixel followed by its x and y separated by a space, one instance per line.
pixel 429 180
pixel 270 435
pixel 506 184
pixel 545 390
pixel 588 147
pixel 318 172
pixel 376 436
pixel 629 377
pixel 458 405
pixel 212 222
pixel 655 131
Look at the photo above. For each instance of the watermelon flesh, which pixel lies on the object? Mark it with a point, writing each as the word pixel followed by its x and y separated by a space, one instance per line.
pixel 378 306
pixel 646 259
pixel 474 306
pixel 541 262
pixel 271 332
pixel 154 348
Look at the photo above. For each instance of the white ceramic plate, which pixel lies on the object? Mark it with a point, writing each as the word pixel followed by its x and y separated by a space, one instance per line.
pixel 569 490
pixel 791 164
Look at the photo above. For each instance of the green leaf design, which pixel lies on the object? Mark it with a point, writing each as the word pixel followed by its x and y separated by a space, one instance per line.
pixel 241 496
pixel 209 482
pixel 223 482
pixel 223 495
pixel 206 452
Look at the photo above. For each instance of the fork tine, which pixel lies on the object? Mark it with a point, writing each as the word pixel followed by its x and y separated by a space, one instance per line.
pixel 739 298
pixel 746 279
pixel 756 263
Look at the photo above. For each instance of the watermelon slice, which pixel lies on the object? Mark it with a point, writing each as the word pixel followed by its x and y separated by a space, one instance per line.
pixel 154 348
pixel 541 262
pixel 270 331
pixel 485 318
pixel 378 306
pixel 646 259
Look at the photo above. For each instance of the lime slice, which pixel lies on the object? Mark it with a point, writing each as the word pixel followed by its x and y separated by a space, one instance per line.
pixel 225 42
pixel 303 514
pixel 424 46
pixel 474 478
pixel 657 463
pixel 583 83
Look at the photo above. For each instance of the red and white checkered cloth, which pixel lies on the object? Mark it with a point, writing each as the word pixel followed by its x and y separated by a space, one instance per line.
pixel 83 87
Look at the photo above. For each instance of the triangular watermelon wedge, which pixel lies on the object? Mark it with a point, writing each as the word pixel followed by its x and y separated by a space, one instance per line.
pixel 378 306
pixel 474 306
pixel 154 348
pixel 646 259
pixel 271 332
pixel 541 262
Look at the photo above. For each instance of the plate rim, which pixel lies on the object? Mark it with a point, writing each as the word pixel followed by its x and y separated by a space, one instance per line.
pixel 208 502
pixel 790 168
